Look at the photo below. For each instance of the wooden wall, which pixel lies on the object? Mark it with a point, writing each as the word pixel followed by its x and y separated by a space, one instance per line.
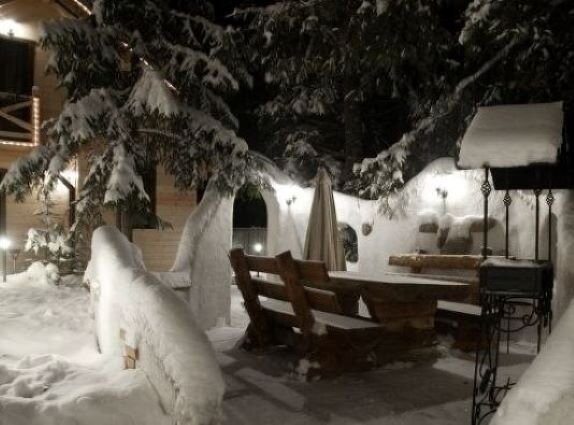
pixel 160 246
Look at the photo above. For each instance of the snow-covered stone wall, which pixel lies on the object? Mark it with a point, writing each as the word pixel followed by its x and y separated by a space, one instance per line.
pixel 173 351
pixel 288 208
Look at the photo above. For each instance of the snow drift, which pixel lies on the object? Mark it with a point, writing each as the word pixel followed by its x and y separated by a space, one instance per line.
pixel 173 352
pixel 544 395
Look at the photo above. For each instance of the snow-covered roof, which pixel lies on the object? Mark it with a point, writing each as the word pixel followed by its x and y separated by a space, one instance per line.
pixel 513 136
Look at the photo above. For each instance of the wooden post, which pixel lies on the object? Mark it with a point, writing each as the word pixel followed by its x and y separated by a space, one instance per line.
pixel 260 327
pixel 296 293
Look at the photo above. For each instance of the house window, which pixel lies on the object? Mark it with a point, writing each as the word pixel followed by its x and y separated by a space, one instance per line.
pixel 16 81
pixel 17 72
pixel 147 220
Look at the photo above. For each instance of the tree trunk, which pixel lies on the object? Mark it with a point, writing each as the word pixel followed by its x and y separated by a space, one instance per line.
pixel 353 126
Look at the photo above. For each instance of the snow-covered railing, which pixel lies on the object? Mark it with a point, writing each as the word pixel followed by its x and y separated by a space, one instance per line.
pixel 171 349
pixel 544 395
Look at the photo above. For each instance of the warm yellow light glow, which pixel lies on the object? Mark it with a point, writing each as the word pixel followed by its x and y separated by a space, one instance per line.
pixel 83 7
pixel 5 243
pixel 71 175
pixel 36 120
pixel 286 192
pixel 12 143
pixel 9 27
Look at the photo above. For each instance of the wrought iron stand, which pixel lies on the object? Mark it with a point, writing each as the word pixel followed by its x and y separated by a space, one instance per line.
pixel 519 297
pixel 496 308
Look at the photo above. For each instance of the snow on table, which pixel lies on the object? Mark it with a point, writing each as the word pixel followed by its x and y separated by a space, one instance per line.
pixel 50 370
pixel 513 136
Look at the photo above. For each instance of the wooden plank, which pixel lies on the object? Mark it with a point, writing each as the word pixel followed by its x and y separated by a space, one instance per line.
pixel 318 299
pixel 416 292
pixel 290 275
pixel 322 300
pixel 457 262
pixel 16 106
pixel 268 289
pixel 17 121
pixel 314 271
pixel 15 135
pixel 262 264
pixel 260 326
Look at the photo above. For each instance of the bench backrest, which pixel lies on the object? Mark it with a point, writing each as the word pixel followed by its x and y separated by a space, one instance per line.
pixel 298 278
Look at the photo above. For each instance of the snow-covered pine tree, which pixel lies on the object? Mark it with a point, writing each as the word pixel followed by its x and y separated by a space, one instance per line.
pixel 514 52
pixel 50 241
pixel 147 81
pixel 326 62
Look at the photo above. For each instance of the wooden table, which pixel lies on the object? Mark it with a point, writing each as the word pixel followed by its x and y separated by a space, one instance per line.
pixel 400 301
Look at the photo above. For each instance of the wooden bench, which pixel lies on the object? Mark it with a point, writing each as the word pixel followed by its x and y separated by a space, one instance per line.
pixel 303 311
pixel 459 319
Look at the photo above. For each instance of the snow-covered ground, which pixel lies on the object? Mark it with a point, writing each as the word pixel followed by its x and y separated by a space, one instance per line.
pixel 52 374
pixel 50 370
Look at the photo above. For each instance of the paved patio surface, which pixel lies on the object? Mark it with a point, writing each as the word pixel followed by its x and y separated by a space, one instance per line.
pixel 262 390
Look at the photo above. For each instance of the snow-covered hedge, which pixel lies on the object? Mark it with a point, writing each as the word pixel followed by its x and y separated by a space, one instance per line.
pixel 544 395
pixel 173 352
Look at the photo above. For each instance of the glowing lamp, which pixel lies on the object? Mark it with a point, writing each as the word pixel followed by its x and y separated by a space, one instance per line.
pixel 258 248
pixel 8 27
pixel 5 243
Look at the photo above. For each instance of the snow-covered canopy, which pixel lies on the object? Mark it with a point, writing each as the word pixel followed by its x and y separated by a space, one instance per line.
pixel 513 136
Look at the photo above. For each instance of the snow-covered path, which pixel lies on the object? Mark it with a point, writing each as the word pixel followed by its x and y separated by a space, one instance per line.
pixel 260 391
pixel 50 370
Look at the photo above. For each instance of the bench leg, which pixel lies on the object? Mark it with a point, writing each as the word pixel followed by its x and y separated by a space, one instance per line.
pixel 337 353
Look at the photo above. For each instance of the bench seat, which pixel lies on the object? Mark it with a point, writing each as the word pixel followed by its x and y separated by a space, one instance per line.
pixel 328 319
pixel 459 308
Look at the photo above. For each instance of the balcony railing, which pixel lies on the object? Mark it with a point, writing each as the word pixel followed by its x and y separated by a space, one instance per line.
pixel 20 119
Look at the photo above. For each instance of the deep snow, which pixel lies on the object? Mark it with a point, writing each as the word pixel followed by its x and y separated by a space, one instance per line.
pixel 50 370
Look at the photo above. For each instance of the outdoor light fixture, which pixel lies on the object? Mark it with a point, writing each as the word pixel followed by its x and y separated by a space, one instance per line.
pixel 4 245
pixel 8 27
pixel 258 248
pixel 290 196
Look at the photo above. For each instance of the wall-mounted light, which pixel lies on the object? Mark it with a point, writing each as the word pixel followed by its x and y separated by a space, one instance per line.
pixel 4 245
pixel 441 192
pixel 8 27
pixel 286 193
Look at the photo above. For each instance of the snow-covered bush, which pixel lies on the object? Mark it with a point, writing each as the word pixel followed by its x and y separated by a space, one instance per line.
pixel 53 244
pixel 37 274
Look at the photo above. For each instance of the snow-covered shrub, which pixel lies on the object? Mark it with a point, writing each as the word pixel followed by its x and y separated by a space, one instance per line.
pixel 53 244
pixel 38 274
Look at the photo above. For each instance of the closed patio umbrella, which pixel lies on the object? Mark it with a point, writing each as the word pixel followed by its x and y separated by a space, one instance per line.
pixel 322 242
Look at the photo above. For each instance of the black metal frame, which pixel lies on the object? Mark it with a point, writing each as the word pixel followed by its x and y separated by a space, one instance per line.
pixel 499 306
pixel 488 392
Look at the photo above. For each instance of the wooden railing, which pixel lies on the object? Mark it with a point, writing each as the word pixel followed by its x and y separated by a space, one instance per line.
pixel 20 119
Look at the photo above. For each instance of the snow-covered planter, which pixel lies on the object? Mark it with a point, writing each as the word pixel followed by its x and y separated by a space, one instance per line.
pixel 544 395
pixel 172 350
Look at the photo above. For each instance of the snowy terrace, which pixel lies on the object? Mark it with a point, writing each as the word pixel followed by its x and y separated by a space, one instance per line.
pixel 52 374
